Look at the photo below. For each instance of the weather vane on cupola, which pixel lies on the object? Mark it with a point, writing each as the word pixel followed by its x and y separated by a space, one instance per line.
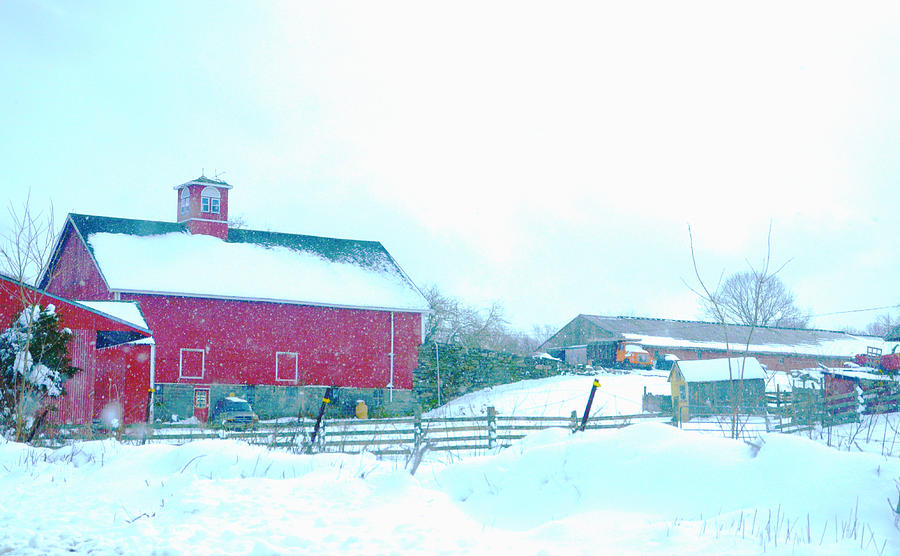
pixel 216 173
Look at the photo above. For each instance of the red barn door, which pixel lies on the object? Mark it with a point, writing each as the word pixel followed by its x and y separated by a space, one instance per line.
pixel 201 403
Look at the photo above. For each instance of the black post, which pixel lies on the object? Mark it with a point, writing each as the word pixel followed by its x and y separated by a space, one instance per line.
pixel 325 401
pixel 149 403
pixel 587 410
pixel 147 416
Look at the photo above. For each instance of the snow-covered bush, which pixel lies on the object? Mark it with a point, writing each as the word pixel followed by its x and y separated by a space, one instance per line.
pixel 34 364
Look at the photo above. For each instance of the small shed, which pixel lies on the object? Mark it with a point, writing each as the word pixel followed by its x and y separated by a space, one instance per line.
pixel 714 386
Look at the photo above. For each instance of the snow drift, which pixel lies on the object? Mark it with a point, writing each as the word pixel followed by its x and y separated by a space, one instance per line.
pixel 644 489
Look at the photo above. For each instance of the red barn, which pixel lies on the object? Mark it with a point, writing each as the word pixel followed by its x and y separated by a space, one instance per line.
pixel 110 344
pixel 268 316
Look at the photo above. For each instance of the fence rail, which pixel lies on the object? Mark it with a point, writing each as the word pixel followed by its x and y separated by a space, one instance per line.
pixel 380 436
pixel 787 412
pixel 803 408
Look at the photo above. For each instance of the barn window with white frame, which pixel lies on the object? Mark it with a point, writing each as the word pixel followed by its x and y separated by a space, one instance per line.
pixel 209 200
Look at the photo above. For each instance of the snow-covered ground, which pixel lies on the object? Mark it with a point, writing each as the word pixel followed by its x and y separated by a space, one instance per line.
pixel 619 394
pixel 648 488
pixel 644 489
pixel 874 434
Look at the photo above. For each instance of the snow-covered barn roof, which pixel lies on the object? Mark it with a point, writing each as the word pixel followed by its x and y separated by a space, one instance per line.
pixel 715 370
pixel 126 311
pixel 143 256
pixel 138 324
pixel 684 334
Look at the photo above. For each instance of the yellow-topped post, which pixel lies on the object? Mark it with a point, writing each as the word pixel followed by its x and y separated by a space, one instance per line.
pixel 587 409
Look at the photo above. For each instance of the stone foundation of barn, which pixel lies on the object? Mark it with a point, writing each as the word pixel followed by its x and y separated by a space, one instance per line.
pixel 270 402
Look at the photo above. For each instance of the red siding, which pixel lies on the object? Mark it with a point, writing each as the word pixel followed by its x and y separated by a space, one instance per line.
pixel 75 275
pixel 217 229
pixel 127 367
pixel 118 375
pixel 77 406
pixel 123 376
pixel 240 339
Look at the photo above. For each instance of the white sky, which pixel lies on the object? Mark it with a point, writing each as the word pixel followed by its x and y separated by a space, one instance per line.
pixel 546 156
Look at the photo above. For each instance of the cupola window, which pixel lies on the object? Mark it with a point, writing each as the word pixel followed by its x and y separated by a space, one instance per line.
pixel 209 200
pixel 185 200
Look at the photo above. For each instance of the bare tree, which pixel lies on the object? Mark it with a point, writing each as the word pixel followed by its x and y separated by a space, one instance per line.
pixel 514 341
pixel 27 244
pixel 754 288
pixel 25 250
pixel 755 299
pixel 882 325
pixel 454 322
pixel 237 222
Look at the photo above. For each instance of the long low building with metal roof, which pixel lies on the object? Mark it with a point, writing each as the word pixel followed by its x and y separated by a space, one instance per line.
pixel 589 339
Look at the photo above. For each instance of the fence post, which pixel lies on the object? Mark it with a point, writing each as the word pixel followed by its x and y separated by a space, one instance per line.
pixel 778 403
pixel 418 433
pixel 437 360
pixel 587 409
pixel 795 417
pixel 573 420
pixel 824 402
pixel 300 438
pixel 326 399
pixel 320 438
pixel 492 427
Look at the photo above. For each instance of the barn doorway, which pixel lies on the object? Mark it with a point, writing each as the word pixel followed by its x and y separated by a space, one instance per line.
pixel 201 404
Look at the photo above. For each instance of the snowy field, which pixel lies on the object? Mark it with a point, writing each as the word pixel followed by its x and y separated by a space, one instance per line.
pixel 874 434
pixel 558 396
pixel 644 489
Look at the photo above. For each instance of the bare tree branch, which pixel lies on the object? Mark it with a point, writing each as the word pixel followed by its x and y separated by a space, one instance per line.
pixel 745 298
pixel 25 251
pixel 452 321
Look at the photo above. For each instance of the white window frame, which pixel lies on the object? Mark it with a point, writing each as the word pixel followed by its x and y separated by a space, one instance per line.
pixel 181 363
pixel 210 200
pixel 185 200
pixel 197 391
pixel 296 366
pixel 209 204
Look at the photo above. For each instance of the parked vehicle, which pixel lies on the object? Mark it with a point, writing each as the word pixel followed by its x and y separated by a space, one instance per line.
pixel 618 354
pixel 234 413
pixel 633 356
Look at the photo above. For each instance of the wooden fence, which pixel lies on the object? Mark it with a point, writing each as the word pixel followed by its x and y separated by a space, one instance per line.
pixel 394 436
pixel 789 412
pixel 806 408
